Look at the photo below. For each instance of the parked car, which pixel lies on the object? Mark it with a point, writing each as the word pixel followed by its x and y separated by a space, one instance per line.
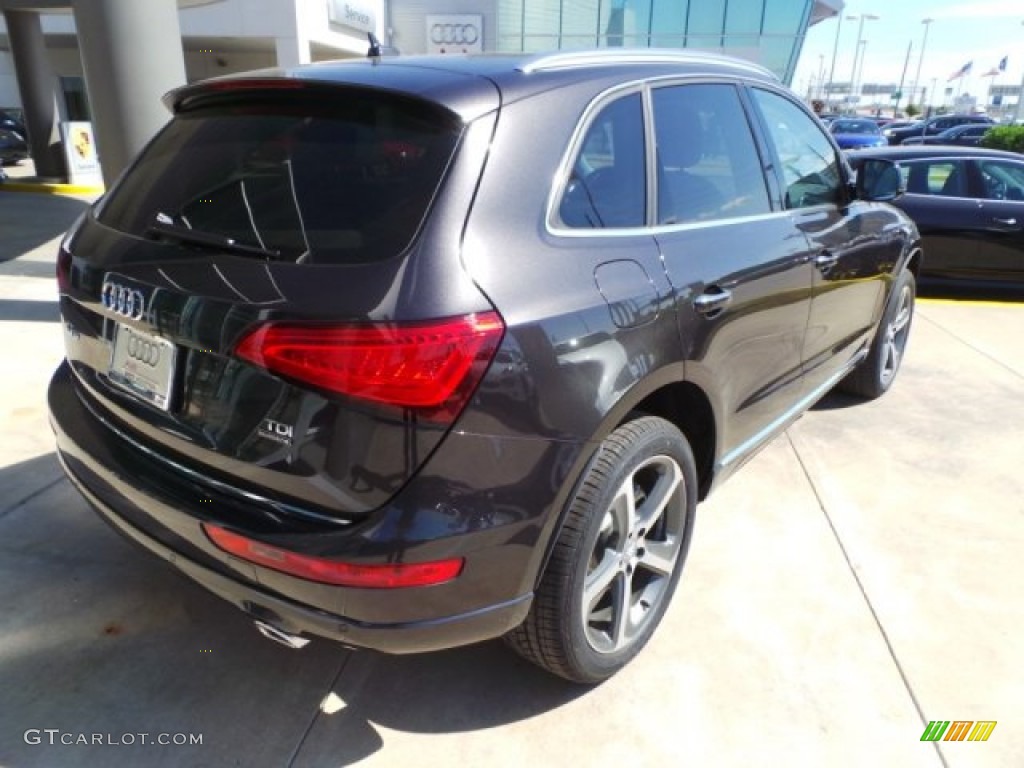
pixel 968 204
pixel 856 133
pixel 961 135
pixel 933 126
pixel 417 352
pixel 11 120
pixel 12 148
pixel 894 124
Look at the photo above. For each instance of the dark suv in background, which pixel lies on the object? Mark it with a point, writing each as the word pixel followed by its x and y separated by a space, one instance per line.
pixel 933 127
pixel 412 353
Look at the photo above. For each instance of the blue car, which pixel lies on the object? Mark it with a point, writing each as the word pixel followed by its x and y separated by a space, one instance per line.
pixel 857 133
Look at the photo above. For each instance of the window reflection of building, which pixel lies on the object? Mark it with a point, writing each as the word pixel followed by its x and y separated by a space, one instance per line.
pixel 764 31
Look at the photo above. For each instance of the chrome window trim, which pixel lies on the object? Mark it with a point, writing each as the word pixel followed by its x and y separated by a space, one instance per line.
pixel 552 223
pixel 666 229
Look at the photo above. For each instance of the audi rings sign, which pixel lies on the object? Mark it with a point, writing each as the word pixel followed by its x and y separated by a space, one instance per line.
pixel 455 33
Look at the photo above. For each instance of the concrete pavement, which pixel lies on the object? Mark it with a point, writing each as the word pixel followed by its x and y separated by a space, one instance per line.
pixel 860 577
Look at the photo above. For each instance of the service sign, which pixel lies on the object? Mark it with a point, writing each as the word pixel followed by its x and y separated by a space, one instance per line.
pixel 354 14
pixel 455 33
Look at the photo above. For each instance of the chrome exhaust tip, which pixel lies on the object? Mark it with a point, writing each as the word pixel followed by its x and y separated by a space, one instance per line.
pixel 286 639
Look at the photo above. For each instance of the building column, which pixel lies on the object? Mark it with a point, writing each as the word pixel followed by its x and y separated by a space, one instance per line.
pixel 292 52
pixel 131 56
pixel 36 86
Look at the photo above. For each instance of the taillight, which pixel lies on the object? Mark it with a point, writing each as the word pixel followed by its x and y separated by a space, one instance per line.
pixel 383 576
pixel 426 365
pixel 63 270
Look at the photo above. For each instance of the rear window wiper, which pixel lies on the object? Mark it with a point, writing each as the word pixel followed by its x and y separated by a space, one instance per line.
pixel 186 236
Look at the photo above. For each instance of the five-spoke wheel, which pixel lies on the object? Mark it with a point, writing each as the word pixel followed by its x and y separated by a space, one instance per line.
pixel 618 556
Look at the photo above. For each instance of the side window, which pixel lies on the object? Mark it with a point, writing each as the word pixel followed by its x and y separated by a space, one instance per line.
pixel 1003 181
pixel 937 177
pixel 708 166
pixel 607 182
pixel 809 163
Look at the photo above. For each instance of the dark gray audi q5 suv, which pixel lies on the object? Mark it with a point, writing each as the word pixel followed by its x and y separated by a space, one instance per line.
pixel 416 352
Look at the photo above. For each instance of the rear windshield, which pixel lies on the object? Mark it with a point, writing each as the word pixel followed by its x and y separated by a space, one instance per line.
pixel 339 183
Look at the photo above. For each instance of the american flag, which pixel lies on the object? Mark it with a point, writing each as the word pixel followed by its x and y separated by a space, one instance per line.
pixel 964 70
pixel 997 69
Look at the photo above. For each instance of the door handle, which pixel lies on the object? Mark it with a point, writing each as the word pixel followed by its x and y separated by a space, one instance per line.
pixel 712 302
pixel 825 260
pixel 1005 222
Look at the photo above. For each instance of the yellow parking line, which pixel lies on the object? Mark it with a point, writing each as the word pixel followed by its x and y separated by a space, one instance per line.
pixel 48 188
pixel 970 302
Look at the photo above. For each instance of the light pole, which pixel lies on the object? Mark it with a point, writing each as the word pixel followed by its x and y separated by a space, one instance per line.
pixel 903 76
pixel 1020 98
pixel 835 50
pixel 862 47
pixel 920 60
pixel 860 39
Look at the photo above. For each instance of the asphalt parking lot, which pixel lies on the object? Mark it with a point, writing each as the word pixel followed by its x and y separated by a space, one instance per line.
pixel 862 576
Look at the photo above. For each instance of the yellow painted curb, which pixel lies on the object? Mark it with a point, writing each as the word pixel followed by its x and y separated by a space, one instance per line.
pixel 49 188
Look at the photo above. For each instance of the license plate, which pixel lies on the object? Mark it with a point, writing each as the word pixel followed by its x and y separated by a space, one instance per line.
pixel 143 364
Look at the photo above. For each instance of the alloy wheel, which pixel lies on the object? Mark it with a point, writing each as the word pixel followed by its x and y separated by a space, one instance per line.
pixel 636 552
pixel 896 332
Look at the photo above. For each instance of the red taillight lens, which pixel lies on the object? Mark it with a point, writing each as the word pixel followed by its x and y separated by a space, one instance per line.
pixel 63 271
pixel 417 365
pixel 387 576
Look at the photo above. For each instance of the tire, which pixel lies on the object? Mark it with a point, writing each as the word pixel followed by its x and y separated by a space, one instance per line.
pixel 873 377
pixel 618 556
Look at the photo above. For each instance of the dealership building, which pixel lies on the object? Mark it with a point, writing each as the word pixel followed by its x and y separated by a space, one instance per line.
pixel 108 61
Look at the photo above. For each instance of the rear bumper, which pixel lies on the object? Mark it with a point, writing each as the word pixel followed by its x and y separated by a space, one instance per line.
pixel 413 637
pixel 492 596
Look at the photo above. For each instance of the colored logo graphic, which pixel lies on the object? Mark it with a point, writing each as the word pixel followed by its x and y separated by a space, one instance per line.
pixel 958 730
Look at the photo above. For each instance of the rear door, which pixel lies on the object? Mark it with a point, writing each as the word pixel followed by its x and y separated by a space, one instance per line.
pixel 739 266
pixel 940 201
pixel 851 249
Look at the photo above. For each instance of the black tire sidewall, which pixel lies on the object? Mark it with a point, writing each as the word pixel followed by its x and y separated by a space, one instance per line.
pixel 654 437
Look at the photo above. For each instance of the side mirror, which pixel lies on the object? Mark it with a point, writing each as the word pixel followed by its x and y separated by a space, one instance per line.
pixel 879 181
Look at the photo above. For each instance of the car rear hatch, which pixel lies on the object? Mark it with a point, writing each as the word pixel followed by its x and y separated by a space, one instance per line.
pixel 264 301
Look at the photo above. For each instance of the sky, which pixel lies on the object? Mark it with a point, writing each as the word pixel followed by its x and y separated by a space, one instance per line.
pixel 982 31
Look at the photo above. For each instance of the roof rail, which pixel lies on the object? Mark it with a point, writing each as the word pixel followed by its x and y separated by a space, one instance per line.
pixel 603 56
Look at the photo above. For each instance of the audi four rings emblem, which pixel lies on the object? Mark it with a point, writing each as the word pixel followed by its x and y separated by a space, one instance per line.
pixel 124 301
pixel 454 34
pixel 144 351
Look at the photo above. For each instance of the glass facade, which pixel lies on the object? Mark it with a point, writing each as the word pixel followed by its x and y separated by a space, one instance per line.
pixel 770 32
